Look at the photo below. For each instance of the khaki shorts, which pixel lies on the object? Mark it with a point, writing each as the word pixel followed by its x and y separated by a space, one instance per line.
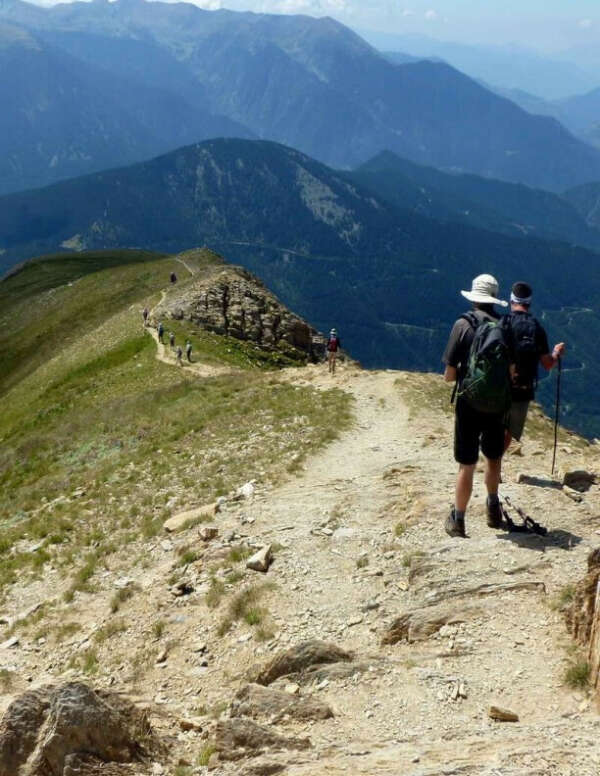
pixel 516 417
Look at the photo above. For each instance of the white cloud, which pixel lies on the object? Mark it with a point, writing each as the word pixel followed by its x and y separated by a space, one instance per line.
pixel 408 12
pixel 431 15
pixel 586 24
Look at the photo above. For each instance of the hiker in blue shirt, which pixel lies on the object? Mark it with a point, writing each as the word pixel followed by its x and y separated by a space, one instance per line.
pixel 333 345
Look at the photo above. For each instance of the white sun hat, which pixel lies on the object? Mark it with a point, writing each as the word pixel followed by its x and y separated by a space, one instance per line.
pixel 484 290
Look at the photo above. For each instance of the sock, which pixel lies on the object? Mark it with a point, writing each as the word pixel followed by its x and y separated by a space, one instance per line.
pixel 493 499
pixel 458 515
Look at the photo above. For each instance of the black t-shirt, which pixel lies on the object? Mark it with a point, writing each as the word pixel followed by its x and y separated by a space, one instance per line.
pixel 461 339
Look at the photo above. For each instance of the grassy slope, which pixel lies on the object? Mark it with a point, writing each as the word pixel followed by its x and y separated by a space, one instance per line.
pixel 91 412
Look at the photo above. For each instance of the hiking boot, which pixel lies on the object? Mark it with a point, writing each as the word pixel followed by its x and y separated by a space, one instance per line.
pixel 494 515
pixel 454 526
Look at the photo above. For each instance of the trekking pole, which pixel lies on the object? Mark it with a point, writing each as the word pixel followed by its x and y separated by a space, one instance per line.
pixel 556 415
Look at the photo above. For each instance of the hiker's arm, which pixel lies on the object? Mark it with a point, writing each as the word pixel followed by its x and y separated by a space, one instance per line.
pixel 550 360
pixel 450 374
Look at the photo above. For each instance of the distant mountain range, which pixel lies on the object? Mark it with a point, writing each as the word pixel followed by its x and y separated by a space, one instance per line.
pixel 130 78
pixel 509 208
pixel 509 67
pixel 333 250
pixel 62 117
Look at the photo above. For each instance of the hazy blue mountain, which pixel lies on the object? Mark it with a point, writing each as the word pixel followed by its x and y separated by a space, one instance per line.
pixel 510 67
pixel 586 200
pixel 510 208
pixel 331 249
pixel 316 85
pixel 62 117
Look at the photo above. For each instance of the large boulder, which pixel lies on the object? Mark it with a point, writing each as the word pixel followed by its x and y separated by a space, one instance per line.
pixel 583 617
pixel 299 659
pixel 419 624
pixel 260 702
pixel 69 729
pixel 239 737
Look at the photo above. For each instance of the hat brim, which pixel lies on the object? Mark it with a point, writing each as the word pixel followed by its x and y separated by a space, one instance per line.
pixel 473 296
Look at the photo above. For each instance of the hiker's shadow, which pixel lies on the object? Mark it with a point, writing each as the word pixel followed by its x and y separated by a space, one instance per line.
pixel 556 539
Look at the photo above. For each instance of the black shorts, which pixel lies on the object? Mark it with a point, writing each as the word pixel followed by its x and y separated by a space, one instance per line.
pixel 472 428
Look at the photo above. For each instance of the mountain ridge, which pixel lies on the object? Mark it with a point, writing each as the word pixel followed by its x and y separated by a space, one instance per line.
pixel 315 85
pixel 327 247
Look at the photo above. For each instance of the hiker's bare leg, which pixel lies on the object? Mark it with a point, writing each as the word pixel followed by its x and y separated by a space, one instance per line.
pixel 493 471
pixel 507 439
pixel 464 486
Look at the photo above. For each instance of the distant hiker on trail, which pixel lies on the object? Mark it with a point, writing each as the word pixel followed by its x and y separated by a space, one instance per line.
pixel 145 314
pixel 171 339
pixel 478 332
pixel 179 354
pixel 188 351
pixel 333 345
pixel 529 345
pixel 161 331
pixel 173 277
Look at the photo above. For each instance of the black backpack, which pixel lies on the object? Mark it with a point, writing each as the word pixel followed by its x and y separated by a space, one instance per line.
pixel 522 334
pixel 486 382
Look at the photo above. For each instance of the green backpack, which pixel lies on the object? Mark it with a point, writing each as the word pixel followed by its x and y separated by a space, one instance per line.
pixel 486 383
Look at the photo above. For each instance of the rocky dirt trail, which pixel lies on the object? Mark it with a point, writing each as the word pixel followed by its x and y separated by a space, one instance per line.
pixel 439 629
pixel 480 629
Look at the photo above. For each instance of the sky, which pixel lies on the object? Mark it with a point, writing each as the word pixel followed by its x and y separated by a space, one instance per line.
pixel 547 25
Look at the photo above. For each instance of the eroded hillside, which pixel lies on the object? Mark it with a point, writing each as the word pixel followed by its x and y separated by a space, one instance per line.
pixel 373 644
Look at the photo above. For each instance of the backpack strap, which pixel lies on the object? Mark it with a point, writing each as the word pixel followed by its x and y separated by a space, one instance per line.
pixel 473 320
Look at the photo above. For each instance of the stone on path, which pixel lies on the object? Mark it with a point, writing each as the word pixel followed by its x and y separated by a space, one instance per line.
pixel 208 532
pixel 298 659
pixel 502 715
pixel 579 480
pixel 419 624
pixel 187 519
pixel 261 560
pixel 239 737
pixel 258 702
pixel 71 728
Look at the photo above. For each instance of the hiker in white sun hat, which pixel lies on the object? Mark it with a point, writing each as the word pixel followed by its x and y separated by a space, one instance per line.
pixel 473 429
pixel 484 290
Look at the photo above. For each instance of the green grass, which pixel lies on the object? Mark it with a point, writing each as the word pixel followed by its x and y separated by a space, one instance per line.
pixel 206 753
pixel 93 412
pixel 564 598
pixel 122 595
pixel 86 661
pixel 158 628
pixel 112 628
pixel 577 675
pixel 244 606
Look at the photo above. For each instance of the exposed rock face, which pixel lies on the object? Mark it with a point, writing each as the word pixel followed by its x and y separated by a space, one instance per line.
pixel 71 729
pixel 419 624
pixel 232 301
pixel 239 737
pixel 260 702
pixel 583 617
pixel 300 658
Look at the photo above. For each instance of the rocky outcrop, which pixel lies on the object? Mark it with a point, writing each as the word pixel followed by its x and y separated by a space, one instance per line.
pixel 231 301
pixel 258 702
pixel 239 737
pixel 71 729
pixel 301 658
pixel 419 624
pixel 583 617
